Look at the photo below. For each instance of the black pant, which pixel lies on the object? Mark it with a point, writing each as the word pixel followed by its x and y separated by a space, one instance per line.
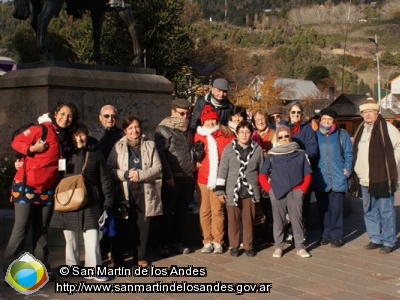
pixel 36 217
pixel 175 202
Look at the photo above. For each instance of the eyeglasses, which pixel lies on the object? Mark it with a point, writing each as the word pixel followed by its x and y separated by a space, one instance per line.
pixel 183 113
pixel 106 116
pixel 283 137
pixel 296 112
pixel 276 116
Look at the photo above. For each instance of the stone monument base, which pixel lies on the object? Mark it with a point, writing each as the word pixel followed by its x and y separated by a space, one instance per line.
pixel 34 89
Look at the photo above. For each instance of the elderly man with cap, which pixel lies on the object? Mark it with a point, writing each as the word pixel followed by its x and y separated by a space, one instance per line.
pixel 376 154
pixel 174 147
pixel 216 99
pixel 331 170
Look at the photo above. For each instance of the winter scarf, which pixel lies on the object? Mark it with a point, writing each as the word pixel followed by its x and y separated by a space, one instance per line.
pixel 285 149
pixel 382 168
pixel 294 127
pixel 242 170
pixel 212 154
pixel 175 123
pixel 327 130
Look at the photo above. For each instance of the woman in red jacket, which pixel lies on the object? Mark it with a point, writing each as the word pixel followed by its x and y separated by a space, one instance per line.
pixel 34 183
pixel 212 215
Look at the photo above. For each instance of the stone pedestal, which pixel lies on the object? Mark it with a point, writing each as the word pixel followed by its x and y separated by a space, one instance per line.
pixel 34 89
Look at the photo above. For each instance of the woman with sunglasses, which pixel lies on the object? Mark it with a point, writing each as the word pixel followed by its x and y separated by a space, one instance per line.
pixel 330 176
pixel 303 134
pixel 275 117
pixel 286 188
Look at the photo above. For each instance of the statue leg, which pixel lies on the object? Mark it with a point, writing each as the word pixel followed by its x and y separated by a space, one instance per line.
pixel 97 23
pixel 50 9
pixel 127 15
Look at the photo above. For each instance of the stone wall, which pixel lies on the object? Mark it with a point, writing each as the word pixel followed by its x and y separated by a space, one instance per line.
pixel 26 94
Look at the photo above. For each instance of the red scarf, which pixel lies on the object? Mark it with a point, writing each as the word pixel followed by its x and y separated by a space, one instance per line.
pixel 295 129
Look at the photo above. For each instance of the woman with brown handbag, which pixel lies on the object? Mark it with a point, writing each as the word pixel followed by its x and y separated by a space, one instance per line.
pixel 99 188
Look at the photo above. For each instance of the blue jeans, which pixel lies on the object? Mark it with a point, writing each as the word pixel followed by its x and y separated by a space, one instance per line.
pixel 379 218
pixel 330 208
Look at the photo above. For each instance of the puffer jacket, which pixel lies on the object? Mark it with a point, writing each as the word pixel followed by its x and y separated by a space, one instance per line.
pixel 307 141
pixel 118 162
pixel 330 163
pixel 174 148
pixel 41 168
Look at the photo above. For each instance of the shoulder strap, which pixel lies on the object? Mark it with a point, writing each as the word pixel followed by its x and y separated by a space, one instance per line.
pixel 86 159
pixel 44 132
pixel 340 143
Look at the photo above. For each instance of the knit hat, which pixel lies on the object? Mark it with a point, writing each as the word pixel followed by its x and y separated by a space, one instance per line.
pixel 221 84
pixel 274 109
pixel 208 113
pixel 328 112
pixel 370 103
pixel 180 103
pixel 281 128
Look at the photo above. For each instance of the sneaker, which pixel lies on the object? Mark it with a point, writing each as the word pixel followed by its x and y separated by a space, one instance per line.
pixel 372 246
pixel 180 249
pixel 303 253
pixel 218 249
pixel 289 239
pixel 101 279
pixel 386 249
pixel 277 253
pixel 337 243
pixel 250 253
pixel 234 252
pixel 324 241
pixel 142 263
pixel 207 248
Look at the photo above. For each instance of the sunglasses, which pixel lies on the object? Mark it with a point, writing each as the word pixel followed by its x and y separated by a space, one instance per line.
pixel 183 113
pixel 276 116
pixel 293 112
pixel 283 137
pixel 112 116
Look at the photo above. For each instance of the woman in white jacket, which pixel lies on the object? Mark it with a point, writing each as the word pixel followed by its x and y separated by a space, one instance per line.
pixel 135 163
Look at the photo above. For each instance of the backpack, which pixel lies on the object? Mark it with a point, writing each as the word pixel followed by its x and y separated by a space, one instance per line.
pixel 21 129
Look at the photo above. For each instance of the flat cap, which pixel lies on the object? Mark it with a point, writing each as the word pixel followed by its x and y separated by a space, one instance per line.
pixel 180 103
pixel 221 84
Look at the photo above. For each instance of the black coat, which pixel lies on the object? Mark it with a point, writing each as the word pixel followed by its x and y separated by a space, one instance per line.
pixel 99 187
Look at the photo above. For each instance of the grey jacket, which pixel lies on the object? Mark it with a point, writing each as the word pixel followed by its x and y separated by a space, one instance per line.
pixel 174 148
pixel 151 169
pixel 228 172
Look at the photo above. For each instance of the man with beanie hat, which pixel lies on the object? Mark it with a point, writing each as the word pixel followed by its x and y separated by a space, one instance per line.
pixel 376 155
pixel 173 142
pixel 216 99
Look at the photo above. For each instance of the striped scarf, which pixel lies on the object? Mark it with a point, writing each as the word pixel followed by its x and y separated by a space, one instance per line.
pixel 242 170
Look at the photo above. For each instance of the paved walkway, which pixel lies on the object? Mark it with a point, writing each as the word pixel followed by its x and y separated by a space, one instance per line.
pixel 349 272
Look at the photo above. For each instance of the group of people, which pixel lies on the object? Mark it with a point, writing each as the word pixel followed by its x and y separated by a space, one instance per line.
pixel 237 165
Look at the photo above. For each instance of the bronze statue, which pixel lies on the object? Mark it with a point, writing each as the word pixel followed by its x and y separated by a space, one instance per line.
pixel 44 10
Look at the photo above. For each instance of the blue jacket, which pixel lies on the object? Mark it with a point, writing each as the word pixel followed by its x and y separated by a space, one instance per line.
pixel 307 141
pixel 328 170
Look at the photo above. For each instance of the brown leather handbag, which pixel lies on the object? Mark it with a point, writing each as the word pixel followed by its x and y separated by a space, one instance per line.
pixel 71 192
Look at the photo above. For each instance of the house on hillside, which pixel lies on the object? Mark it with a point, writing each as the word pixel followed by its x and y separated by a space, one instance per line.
pixel 292 89
pixel 390 97
pixel 347 107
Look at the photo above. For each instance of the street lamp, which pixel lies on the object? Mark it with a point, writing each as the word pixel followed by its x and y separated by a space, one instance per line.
pixel 375 41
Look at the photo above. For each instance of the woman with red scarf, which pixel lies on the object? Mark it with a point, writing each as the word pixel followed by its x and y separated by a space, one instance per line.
pixel 304 135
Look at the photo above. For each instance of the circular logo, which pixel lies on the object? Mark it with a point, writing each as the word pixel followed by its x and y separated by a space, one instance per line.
pixel 27 274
